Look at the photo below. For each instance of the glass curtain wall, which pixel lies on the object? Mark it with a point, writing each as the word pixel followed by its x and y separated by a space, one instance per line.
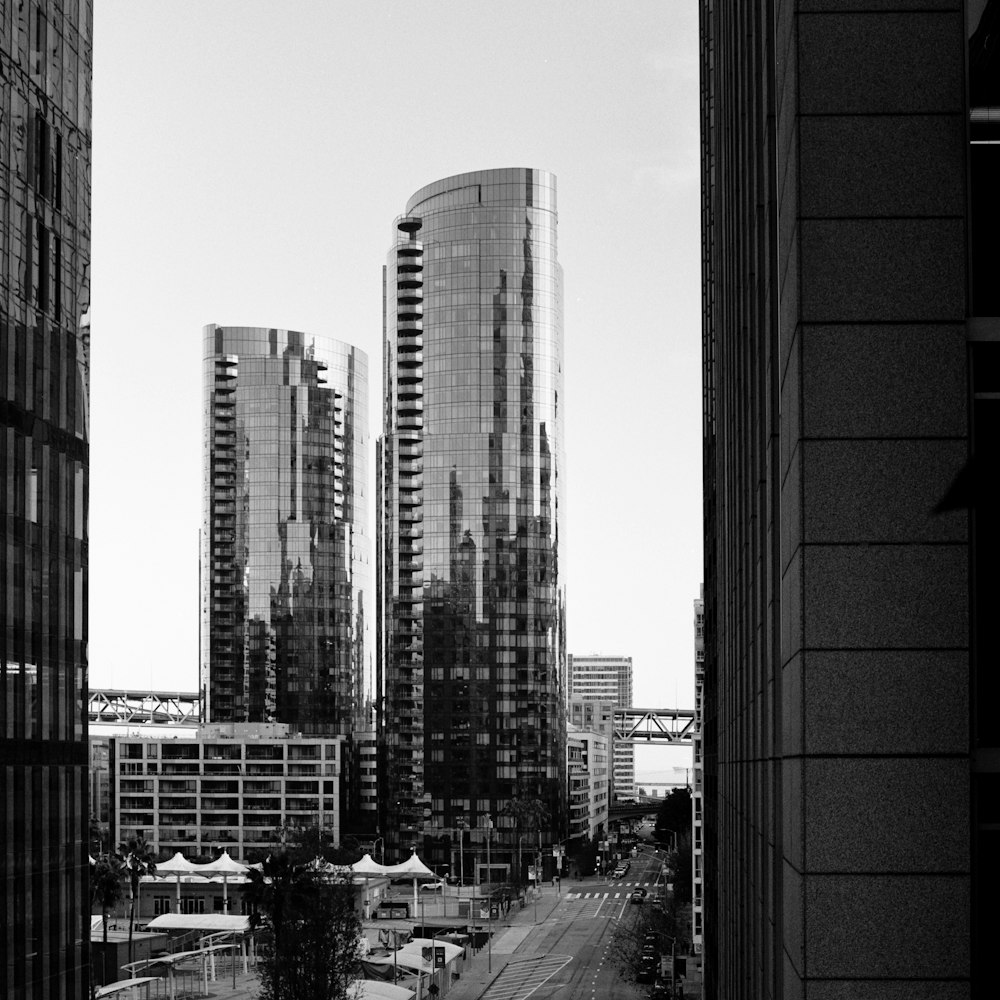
pixel 285 551
pixel 472 603
pixel 45 141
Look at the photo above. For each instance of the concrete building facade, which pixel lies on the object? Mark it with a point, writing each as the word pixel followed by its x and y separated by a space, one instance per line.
pixel 230 786
pixel 607 679
pixel 847 546
pixel 589 782
pixel 697 780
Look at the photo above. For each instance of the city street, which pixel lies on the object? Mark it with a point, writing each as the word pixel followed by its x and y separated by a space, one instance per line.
pixel 570 952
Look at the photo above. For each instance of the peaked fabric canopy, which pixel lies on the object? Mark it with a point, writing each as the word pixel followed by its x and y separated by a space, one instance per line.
pixel 178 865
pixel 411 866
pixel 223 865
pixel 367 866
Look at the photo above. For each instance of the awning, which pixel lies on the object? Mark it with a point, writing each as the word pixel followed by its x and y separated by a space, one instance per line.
pixel 200 922
pixel 375 989
pixel 124 984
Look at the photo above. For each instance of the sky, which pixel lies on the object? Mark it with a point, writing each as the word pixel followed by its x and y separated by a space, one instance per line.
pixel 249 158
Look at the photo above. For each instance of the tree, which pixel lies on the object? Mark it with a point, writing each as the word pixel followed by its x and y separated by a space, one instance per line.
pixel 107 890
pixel 680 864
pixel 586 856
pixel 309 945
pixel 138 862
pixel 303 844
pixel 674 816
pixel 531 815
pixel 97 836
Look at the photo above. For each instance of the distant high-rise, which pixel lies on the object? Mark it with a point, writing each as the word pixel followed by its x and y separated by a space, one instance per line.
pixel 45 66
pixel 285 560
pixel 608 678
pixel 470 481
pixel 851 366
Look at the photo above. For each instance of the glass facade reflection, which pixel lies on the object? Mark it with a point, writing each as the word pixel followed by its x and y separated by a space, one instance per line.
pixel 472 628
pixel 284 548
pixel 45 141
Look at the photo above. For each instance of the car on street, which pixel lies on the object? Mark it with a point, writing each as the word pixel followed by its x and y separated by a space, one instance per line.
pixel 432 887
pixel 638 896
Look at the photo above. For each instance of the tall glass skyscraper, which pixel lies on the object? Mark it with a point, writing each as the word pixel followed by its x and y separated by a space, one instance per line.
pixel 285 561
pixel 45 69
pixel 470 463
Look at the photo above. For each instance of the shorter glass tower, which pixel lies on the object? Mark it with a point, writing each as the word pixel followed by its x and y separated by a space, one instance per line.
pixel 284 547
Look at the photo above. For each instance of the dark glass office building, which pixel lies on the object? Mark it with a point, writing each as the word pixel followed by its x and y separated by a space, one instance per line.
pixel 472 638
pixel 285 552
pixel 45 139
pixel 851 429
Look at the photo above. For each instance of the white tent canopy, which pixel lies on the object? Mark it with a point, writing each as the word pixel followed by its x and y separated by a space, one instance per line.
pixel 417 945
pixel 368 866
pixel 200 922
pixel 411 866
pixel 374 989
pixel 178 865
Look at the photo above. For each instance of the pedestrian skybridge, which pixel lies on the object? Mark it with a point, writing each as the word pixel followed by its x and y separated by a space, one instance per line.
pixel 654 725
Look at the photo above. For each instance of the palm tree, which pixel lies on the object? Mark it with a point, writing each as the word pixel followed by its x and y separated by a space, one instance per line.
pixel 107 890
pixel 531 815
pixel 138 862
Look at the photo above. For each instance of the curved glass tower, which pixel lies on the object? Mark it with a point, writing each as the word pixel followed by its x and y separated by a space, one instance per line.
pixel 472 629
pixel 284 547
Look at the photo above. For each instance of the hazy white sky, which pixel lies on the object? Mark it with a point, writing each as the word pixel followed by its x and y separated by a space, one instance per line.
pixel 249 158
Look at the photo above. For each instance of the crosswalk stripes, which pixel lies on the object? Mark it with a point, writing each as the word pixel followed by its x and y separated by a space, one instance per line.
pixel 627 886
pixel 518 980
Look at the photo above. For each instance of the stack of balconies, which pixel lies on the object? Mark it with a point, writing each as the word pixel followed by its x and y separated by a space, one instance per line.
pixel 222 529
pixel 409 424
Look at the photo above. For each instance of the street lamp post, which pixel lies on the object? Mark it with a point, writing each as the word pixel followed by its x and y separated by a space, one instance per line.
pixel 673 965
pixel 489 898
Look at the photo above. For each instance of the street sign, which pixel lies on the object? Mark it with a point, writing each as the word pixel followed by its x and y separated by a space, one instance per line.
pixel 438 957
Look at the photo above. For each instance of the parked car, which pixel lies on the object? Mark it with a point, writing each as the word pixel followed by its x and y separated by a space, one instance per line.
pixel 646 973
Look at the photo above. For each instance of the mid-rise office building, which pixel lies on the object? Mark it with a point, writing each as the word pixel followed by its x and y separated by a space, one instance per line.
pixel 589 783
pixel 851 366
pixel 608 678
pixel 470 482
pixel 697 783
pixel 227 787
pixel 285 592
pixel 45 141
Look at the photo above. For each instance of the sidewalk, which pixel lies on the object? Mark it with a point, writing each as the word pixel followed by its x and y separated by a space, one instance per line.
pixel 480 969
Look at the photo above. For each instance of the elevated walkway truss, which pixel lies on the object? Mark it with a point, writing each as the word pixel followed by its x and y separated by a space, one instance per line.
pixel 654 725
